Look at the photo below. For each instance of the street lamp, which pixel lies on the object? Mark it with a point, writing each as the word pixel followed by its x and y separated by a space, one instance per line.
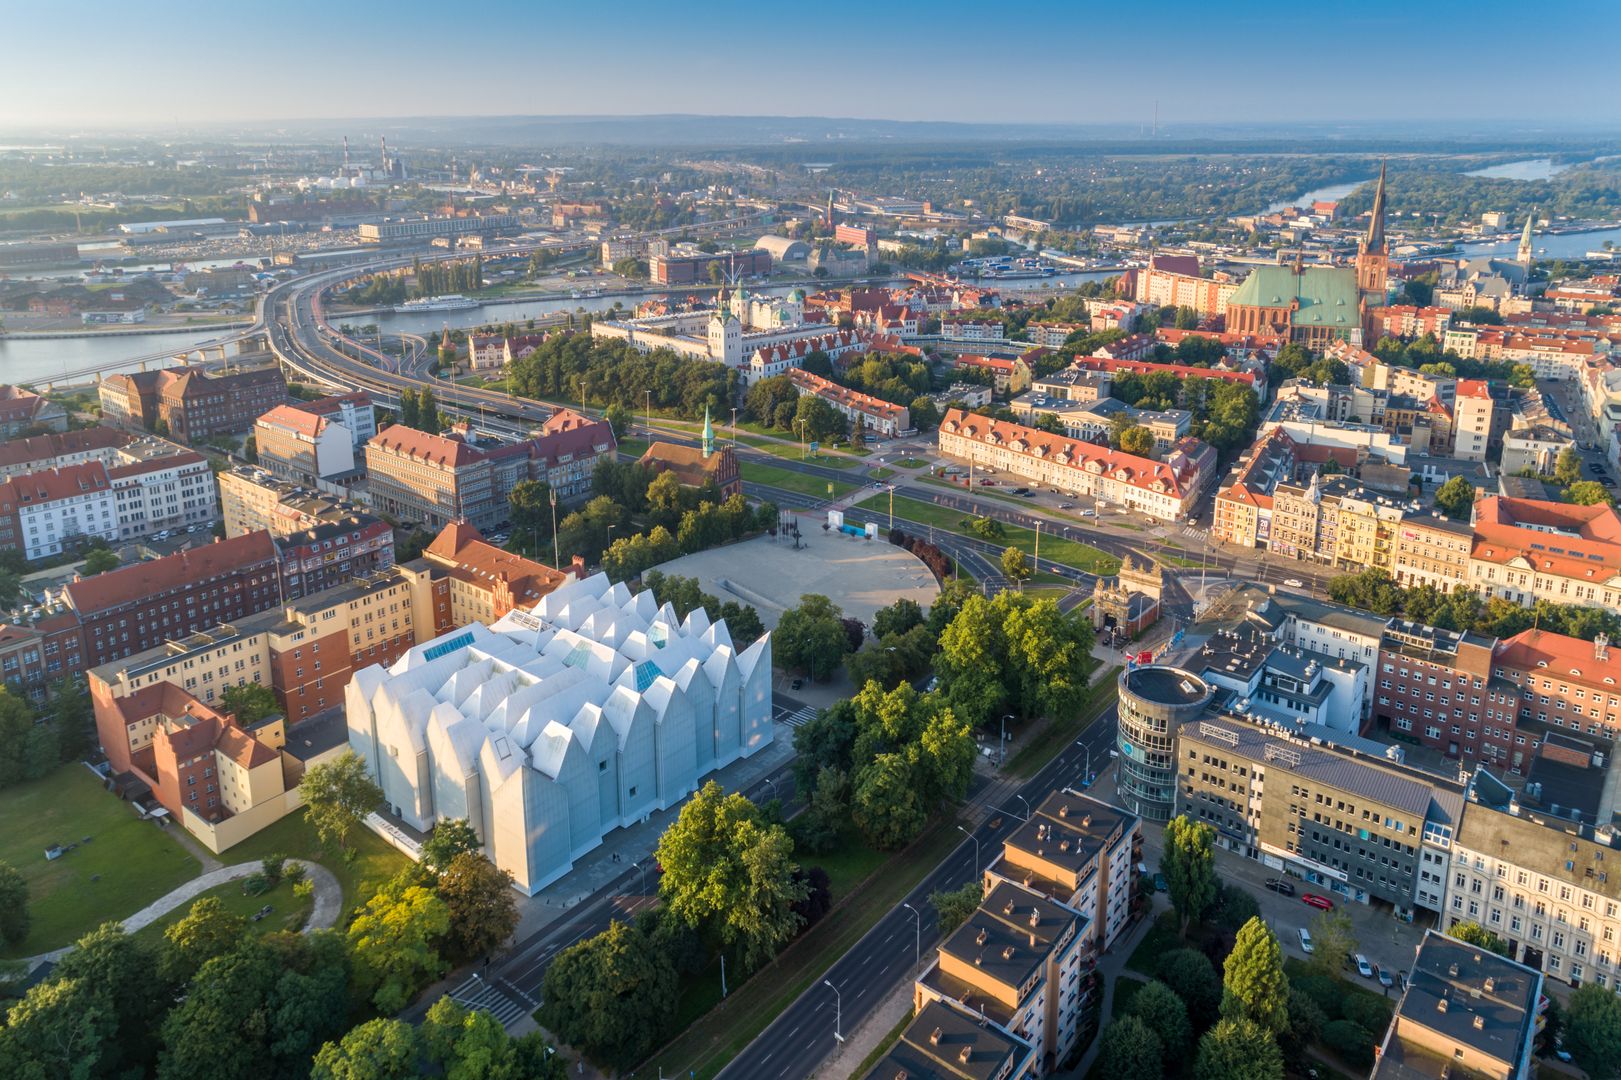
pixel 557 562
pixel 1028 813
pixel 918 957
pixel 649 394
pixel 772 781
pixel 975 839
pixel 1001 750
pixel 643 869
pixel 838 1010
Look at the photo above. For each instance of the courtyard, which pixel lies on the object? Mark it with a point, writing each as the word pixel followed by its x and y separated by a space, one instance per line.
pixel 857 574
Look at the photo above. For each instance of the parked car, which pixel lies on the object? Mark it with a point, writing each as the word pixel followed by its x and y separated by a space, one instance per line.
pixel 1363 968
pixel 1160 884
pixel 1322 903
pixel 1305 939
pixel 1021 491
pixel 1384 977
pixel 1294 583
pixel 1280 886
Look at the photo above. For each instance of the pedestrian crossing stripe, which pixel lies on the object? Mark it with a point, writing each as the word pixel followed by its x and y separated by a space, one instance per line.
pixel 799 717
pixel 477 993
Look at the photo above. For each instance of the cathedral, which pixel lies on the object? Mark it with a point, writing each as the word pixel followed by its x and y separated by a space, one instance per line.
pixel 1315 305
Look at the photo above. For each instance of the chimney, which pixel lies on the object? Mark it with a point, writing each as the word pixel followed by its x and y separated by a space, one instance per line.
pixel 934 1036
pixel 965 1053
pixel 1441 1005
pixel 981 937
pixel 1490 984
pixel 1480 1022
pixel 1063 811
pixel 1035 916
pixel 577 568
pixel 1086 822
pixel 1601 647
pixel 1007 952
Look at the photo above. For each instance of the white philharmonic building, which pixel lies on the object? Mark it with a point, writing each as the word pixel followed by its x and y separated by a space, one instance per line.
pixel 555 725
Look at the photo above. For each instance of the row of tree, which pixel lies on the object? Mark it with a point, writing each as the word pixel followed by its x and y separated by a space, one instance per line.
pixel 439 278
pixel 34 742
pixel 1464 609
pixel 419 410
pixel 684 595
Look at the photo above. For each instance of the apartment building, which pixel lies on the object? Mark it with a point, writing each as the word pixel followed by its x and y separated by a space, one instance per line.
pixel 330 552
pixel 1163 489
pixel 46 513
pixel 1244 508
pixel 1073 384
pixel 1443 689
pixel 1332 631
pixel 40 453
pixel 486 581
pixel 1564 683
pixel 1430 549
pixel 1019 961
pixel 304 447
pixel 139 607
pixel 252 499
pixel 1081 852
pixel 951 1043
pixel 1526 550
pixel 1207 296
pixel 436 479
pixel 1541 882
pixel 1466 1012
pixel 1009 375
pixel 1338 813
pixel 1334 522
pixel 1480 417
pixel 873 414
pixel 355 411
pixel 22 662
pixel 971 330
pixel 1283 683
pixel 23 410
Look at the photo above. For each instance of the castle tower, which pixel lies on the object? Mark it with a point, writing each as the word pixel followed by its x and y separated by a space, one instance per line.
pixel 709 435
pixel 1372 256
pixel 1523 256
pixel 725 338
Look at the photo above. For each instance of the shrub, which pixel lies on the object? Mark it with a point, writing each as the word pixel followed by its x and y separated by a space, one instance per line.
pixel 304 889
pixel 1366 1011
pixel 274 867
pixel 1324 992
pixel 255 885
pixel 295 872
pixel 1350 1041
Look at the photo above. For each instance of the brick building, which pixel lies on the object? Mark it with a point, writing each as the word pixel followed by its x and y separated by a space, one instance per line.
pixel 140 607
pixel 1564 683
pixel 193 404
pixel 694 268
pixel 1442 688
pixel 22 661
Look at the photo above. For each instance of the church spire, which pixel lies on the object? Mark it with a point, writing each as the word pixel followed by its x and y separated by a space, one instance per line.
pixel 1524 255
pixel 709 435
pixel 1376 225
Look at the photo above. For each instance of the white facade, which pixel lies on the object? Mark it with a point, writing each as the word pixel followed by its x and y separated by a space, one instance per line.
pixel 554 726
pixel 165 493
pixel 45 525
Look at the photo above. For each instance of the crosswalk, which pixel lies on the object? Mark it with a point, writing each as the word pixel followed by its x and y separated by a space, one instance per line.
pixel 798 718
pixel 499 1001
pixel 1193 534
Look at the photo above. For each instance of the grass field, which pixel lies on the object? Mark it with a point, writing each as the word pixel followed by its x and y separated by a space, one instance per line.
pixel 634 447
pixel 1069 552
pixel 715 1038
pixel 814 486
pixel 911 463
pixel 289 911
pixel 127 864
pixel 882 473
pixel 370 862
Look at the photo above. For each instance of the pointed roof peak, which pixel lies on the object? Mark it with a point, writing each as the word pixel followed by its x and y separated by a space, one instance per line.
pixel 1376 224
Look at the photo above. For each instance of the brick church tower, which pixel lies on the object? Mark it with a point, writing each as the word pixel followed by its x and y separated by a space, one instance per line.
pixel 1372 256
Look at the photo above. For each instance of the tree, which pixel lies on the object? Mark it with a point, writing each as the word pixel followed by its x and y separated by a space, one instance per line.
pixel 1015 566
pixel 954 906
pixel 410 409
pixel 392 942
pixel 99 561
pixel 1475 934
pixel 1137 440
pixel 448 839
pixel 1253 982
pixel 249 703
pixel 1047 655
pixel 1130 1050
pixel 1191 975
pixel 61 1029
pixel 1306 1023
pixel 1456 498
pixel 531 511
pixel 380 1049
pixel 472 1045
pixel 120 970
pixel 613 996
pixel 1238 1050
pixel 1567 468
pixel 1593 1031
pixel 618 418
pixel 207 930
pixel 15 920
pixel 1332 938
pixel 338 794
pixel 483 910
pixel 28 750
pixel 727 870
pixel 1350 1040
pixel 429 419
pixel 1189 863
pixel 811 637
pixel 1588 493
pixel 1165 1014
pixel 897 618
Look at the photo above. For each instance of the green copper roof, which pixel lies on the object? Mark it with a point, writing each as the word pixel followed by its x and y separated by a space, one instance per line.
pixel 1328 294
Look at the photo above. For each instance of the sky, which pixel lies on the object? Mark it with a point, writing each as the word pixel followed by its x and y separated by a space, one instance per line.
pixel 102 64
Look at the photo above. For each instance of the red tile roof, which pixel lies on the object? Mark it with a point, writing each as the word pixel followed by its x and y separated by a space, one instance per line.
pixel 1475 388
pixel 130 583
pixel 1567 657
pixel 439 450
pixel 1172 476
pixel 295 419
pixel 461 549
pixel 1145 367
pixel 51 485
pixel 1586 547
pixel 14 452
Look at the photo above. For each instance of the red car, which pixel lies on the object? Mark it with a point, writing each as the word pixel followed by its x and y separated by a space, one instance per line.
pixel 1316 901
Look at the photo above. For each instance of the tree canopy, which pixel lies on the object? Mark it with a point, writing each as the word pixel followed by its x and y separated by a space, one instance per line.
pixel 1189 864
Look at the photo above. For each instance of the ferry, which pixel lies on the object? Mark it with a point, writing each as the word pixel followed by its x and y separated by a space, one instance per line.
pixel 449 302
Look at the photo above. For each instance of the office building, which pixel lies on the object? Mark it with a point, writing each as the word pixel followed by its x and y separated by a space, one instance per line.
pixel 305 447
pixel 398 230
pixel 947 1042
pixel 191 403
pixel 1443 689
pixel 1466 1012
pixel 1525 551
pixel 559 723
pixel 694 268
pixel 1155 701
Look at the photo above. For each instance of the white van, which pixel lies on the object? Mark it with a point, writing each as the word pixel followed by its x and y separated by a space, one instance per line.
pixel 1305 939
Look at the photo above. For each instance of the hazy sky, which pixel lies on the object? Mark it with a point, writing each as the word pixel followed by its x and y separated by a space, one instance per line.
pixel 102 64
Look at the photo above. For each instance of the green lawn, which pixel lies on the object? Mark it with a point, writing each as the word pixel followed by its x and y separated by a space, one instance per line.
pixel 882 473
pixel 814 486
pixel 1160 939
pixel 289 911
pixel 718 1036
pixel 1070 552
pixel 127 864
pixel 911 463
pixel 370 861
pixel 850 863
pixel 634 447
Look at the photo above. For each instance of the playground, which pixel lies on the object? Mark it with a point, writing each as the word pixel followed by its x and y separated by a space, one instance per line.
pixel 858 574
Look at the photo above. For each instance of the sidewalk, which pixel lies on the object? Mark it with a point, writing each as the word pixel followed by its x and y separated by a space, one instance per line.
pixel 328 901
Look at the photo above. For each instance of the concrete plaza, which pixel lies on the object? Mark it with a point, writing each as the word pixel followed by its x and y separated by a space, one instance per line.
pixel 857 574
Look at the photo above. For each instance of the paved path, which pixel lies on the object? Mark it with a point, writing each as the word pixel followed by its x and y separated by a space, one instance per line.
pixel 328 901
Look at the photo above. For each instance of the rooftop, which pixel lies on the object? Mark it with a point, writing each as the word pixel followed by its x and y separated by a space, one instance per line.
pixel 130 583
pixel 1166 685
pixel 945 1043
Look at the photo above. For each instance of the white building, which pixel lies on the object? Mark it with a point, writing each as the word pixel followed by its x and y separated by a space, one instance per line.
pixel 52 508
pixel 554 726
pixel 970 330
pixel 163 492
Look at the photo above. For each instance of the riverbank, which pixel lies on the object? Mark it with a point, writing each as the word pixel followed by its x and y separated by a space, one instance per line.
pixel 125 331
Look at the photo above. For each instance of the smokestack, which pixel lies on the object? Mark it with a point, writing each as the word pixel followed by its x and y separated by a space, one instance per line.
pixel 346 154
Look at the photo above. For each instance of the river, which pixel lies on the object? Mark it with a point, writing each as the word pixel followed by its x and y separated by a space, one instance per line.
pixel 1532 169
pixel 1561 246
pixel 1331 193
